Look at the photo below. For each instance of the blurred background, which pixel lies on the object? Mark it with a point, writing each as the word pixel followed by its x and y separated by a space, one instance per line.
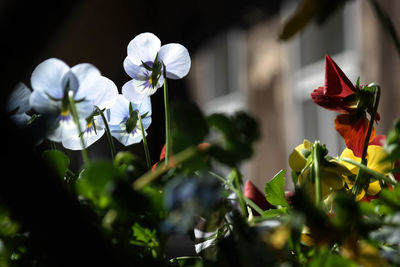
pixel 238 60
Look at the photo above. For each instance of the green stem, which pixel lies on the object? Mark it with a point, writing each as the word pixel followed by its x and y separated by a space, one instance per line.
pixel 179 158
pixel 76 119
pixel 360 181
pixel 231 187
pixel 108 132
pixel 167 124
pixel 240 195
pixel 370 171
pixel 316 171
pixel 53 145
pixel 146 148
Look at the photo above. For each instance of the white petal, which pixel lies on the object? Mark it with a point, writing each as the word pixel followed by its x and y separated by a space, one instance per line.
pixel 85 71
pixel 89 138
pixel 119 133
pixel 71 80
pixel 19 98
pixel 65 130
pixel 42 104
pixel 133 70
pixel 119 111
pixel 136 91
pixel 47 77
pixel 143 47
pixel 176 60
pixel 146 122
pixel 145 106
pixel 88 76
pixel 20 119
pixel 108 93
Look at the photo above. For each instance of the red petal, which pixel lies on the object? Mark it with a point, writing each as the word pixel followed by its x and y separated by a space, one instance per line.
pixel 379 140
pixel 336 82
pixel 331 103
pixel 252 192
pixel 163 152
pixel 353 131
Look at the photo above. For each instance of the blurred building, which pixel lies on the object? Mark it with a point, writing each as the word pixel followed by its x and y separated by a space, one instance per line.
pixel 250 69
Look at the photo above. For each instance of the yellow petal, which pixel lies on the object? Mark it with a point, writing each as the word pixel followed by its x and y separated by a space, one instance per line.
pixel 296 159
pixel 347 153
pixel 374 188
pixel 360 195
pixel 374 159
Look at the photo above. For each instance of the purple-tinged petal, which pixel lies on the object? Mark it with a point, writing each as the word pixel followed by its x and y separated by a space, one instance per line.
pixel 40 102
pixel 119 111
pixel 133 70
pixel 71 80
pixel 89 136
pixel 47 77
pixel 19 99
pixel 136 91
pixel 144 47
pixel 176 60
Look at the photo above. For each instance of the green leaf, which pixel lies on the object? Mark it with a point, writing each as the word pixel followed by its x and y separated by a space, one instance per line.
pixel 98 180
pixel 274 190
pixel 143 234
pixel 274 212
pixel 56 160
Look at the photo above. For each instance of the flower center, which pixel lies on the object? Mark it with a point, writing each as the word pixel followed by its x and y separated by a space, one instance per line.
pixel 150 80
pixel 65 113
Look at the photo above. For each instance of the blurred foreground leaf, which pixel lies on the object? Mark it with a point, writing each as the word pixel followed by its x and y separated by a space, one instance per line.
pixel 56 160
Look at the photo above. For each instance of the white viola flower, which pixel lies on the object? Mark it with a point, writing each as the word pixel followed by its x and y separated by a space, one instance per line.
pixel 51 81
pixel 124 121
pixel 93 126
pixel 144 64
pixel 18 104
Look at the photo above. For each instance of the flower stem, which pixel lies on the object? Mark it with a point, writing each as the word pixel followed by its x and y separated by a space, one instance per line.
pixel 167 124
pixel 109 136
pixel 316 170
pixel 76 119
pixel 179 158
pixel 146 148
pixel 360 181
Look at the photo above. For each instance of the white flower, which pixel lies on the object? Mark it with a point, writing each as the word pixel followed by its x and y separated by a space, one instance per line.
pixel 144 64
pixel 124 122
pixel 18 104
pixel 93 126
pixel 52 80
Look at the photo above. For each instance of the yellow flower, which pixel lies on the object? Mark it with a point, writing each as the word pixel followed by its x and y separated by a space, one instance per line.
pixel 375 156
pixel 298 160
pixel 331 172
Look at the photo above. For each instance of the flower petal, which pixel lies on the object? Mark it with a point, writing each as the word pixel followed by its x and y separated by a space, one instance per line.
pixel 42 104
pixel 89 138
pixel 328 102
pixel 119 133
pixel 119 111
pixel 348 153
pixel 107 93
pixel 354 131
pixel 144 47
pixel 176 60
pixel 133 70
pixel 48 75
pixel 19 99
pixel 336 82
pixel 254 194
pixel 375 159
pixel 136 91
